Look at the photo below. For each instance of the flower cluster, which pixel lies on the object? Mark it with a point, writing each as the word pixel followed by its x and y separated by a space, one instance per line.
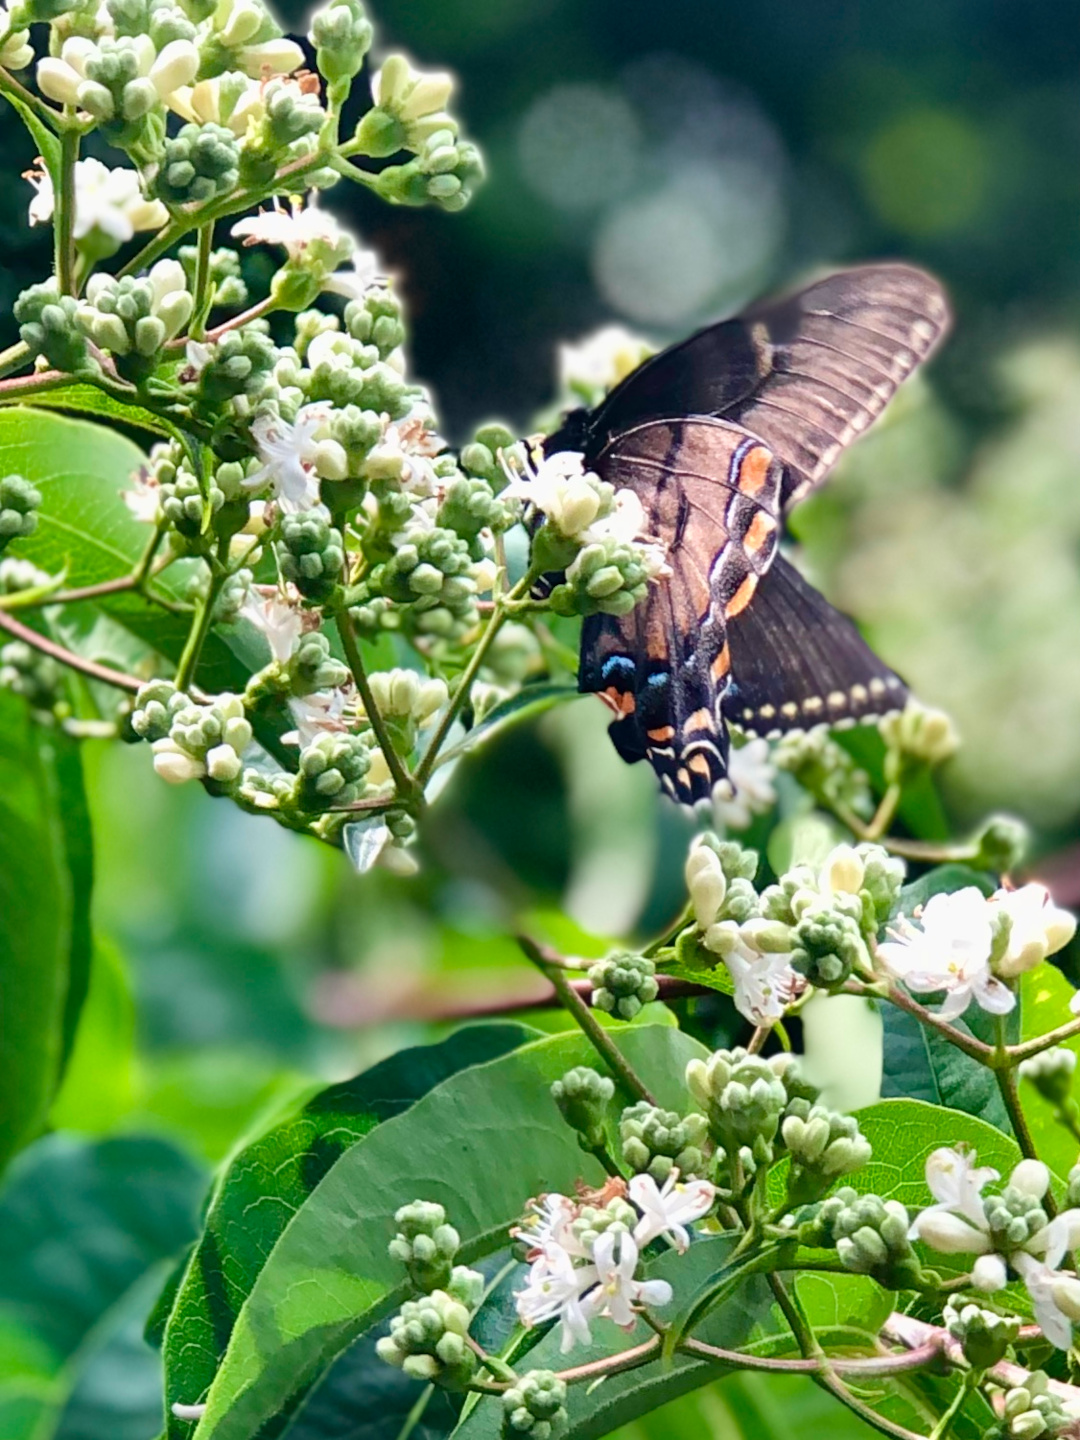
pixel 584 1254
pixel 1010 1232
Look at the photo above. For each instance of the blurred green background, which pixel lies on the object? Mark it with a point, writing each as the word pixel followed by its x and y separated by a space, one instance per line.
pixel 655 166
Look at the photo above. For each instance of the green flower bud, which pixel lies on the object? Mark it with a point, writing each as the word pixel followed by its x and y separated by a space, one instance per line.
pixel 1031 1410
pixel 1001 844
pixel 823 1145
pixel 1072 1194
pixel 156 706
pixel 376 320
pixel 312 667
pixel 870 1236
pixel 655 1141
pixel 827 947
pixel 311 553
pixel 535 1407
pixel 446 172
pixel 341 34
pixel 47 326
pixel 184 505
pixel 470 505
pixel 332 770
pixel 985 1337
pixel 29 673
pixel 606 577
pixel 825 769
pixel 19 504
pixel 431 569
pixel 16 575
pixel 237 364
pixel 200 163
pixel 427 1338
pixel 1013 1217
pixel 1051 1073
pixel 583 1096
pixel 593 1220
pixel 916 735
pixel 623 983
pixel 426 1245
pixel 743 1098
pixel 883 878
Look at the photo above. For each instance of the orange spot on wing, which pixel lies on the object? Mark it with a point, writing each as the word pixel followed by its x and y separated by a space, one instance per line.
pixel 742 597
pixel 662 735
pixel 754 470
pixel 700 720
pixel 620 701
pixel 722 664
pixel 699 765
pixel 761 527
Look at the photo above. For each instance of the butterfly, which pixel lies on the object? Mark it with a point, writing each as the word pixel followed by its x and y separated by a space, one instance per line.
pixel 719 437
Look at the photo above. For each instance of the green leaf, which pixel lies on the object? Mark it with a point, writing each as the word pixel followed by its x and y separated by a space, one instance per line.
pixel 918 1062
pixel 271 1178
pixel 904 1132
pixel 85 528
pixel 1045 996
pixel 99 1085
pixel 89 400
pixel 47 142
pixel 44 915
pixel 481 1143
pixel 596 1411
pixel 83 1227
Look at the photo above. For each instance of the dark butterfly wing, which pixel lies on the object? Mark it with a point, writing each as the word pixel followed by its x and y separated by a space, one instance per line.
pixel 807 374
pixel 796 662
pixel 711 494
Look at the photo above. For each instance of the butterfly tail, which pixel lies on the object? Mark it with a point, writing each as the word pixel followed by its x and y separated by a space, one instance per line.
pixel 667 712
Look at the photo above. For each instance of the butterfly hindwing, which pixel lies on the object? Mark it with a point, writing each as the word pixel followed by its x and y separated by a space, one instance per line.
pixel 796 662
pixel 712 493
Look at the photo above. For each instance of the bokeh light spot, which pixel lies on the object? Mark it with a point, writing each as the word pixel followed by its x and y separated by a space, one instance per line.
pixel 579 146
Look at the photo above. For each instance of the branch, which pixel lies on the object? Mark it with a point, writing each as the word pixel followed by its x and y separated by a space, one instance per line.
pixel 967 1043
pixel 552 966
pixel 906 1330
pixel 404 783
pixel 862 1367
pixel 67 657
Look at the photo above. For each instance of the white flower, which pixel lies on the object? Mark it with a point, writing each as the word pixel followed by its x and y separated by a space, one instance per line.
pixel 416 98
pixel 592 366
pixel 957 1224
pixel 556 1290
pixel 16 52
pixel 295 228
pixel 548 1223
pixel 108 200
pixel 271 57
pixel 355 281
pixel 670 1210
pixel 288 454
pixel 1055 1296
pixel 175 765
pixel 561 488
pixel 706 882
pixel 765 984
pixel 280 622
pixel 615 1256
pixel 314 714
pixel 1038 928
pixel 751 775
pixel 143 497
pixel 956 1184
pixel 949 950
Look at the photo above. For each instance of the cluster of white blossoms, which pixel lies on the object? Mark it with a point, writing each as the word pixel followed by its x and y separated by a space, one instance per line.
pixel 584 509
pixel 108 201
pixel 585 1254
pixel 1010 1231
pixel 971 946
